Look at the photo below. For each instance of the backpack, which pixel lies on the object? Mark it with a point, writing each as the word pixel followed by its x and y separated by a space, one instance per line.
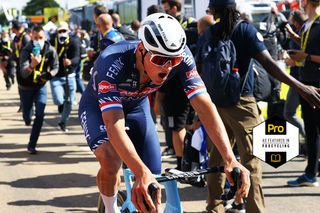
pixel 219 74
pixel 262 84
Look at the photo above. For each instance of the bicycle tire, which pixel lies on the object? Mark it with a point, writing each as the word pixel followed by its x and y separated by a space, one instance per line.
pixel 121 198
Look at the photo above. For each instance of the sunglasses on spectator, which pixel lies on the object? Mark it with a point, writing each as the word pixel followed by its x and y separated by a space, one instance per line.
pixel 160 60
pixel 62 31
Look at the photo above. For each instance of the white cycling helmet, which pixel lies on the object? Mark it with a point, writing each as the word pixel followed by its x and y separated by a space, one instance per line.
pixel 163 34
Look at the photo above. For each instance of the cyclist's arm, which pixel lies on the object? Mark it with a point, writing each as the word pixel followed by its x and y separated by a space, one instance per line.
pixel 214 126
pixel 115 124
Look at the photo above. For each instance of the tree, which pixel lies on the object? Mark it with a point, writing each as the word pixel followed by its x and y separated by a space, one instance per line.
pixel 35 7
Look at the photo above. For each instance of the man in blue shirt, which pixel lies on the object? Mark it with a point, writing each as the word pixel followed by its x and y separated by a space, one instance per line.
pixel 116 99
pixel 108 35
pixel 243 116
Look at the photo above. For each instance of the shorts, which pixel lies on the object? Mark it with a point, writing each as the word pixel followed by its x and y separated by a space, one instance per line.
pixel 142 130
pixel 176 115
pixel 177 122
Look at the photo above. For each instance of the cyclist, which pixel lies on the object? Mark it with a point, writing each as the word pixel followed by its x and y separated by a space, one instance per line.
pixel 116 98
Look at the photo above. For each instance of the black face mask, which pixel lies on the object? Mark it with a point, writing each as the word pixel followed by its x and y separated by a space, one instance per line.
pixel 62 37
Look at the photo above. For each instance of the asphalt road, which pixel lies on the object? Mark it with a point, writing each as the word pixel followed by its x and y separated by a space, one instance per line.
pixel 61 177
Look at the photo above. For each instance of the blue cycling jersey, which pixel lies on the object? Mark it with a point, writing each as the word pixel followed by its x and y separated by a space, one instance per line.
pixel 115 80
pixel 115 85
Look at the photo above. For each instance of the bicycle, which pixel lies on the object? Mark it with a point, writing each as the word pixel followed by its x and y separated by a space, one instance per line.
pixel 172 204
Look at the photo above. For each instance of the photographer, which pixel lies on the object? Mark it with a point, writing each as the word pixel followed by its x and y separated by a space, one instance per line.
pixel 39 62
pixel 63 85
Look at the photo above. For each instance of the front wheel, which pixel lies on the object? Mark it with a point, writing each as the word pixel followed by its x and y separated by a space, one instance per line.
pixel 121 198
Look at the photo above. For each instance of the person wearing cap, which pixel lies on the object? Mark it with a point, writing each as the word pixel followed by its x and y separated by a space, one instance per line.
pixel 114 110
pixel 309 55
pixel 63 85
pixel 244 115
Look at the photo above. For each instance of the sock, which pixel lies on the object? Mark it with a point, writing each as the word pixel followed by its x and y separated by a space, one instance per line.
pixel 110 203
pixel 179 163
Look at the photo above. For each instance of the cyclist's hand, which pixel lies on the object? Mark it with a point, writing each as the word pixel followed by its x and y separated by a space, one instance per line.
pixel 244 175
pixel 139 193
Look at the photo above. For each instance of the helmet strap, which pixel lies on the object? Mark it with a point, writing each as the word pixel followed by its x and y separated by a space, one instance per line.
pixel 143 55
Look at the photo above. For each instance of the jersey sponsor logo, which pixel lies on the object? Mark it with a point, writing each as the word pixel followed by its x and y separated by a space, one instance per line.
pixel 115 68
pixel 102 128
pixel 192 73
pixel 144 92
pixel 105 86
pixel 187 59
pixel 129 93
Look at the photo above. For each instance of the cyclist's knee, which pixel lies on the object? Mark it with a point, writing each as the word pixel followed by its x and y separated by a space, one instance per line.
pixel 109 160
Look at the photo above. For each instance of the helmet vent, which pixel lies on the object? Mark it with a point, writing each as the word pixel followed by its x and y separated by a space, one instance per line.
pixel 149 38
pixel 161 17
pixel 173 45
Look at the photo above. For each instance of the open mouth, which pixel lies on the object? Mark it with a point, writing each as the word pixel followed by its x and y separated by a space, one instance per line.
pixel 162 75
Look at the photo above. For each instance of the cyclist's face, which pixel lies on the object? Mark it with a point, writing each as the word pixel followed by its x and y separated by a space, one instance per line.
pixel 157 74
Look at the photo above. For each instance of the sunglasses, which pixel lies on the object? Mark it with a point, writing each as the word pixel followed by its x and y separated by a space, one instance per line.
pixel 62 31
pixel 160 60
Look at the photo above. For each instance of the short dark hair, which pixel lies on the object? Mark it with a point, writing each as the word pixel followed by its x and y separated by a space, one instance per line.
pixel 173 3
pixel 100 9
pixel 37 28
pixel 154 9
pixel 16 25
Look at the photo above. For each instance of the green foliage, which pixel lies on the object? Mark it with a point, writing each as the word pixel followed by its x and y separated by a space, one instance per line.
pixel 35 7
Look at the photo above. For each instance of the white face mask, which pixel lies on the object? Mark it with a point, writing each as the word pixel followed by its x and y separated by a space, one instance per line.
pixel 62 37
pixel 38 43
pixel 5 39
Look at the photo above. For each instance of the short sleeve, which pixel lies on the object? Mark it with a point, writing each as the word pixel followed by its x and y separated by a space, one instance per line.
pixel 105 83
pixel 189 76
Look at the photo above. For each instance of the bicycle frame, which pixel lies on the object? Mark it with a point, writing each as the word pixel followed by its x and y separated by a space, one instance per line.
pixel 172 205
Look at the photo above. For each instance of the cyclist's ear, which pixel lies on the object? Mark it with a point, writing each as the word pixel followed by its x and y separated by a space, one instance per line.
pixel 140 46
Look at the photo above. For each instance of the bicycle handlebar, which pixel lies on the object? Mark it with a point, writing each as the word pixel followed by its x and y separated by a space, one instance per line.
pixel 237 184
pixel 176 175
pixel 152 190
